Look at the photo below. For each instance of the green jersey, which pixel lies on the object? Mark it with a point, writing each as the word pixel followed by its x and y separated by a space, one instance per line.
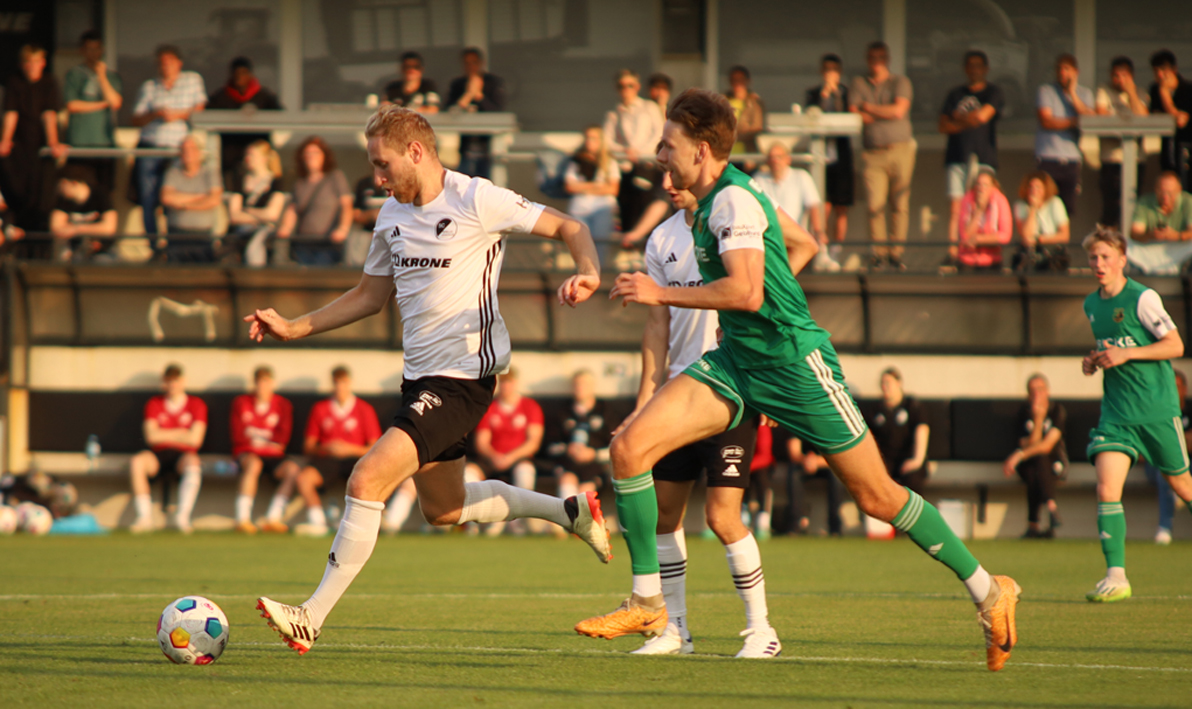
pixel 736 215
pixel 1139 391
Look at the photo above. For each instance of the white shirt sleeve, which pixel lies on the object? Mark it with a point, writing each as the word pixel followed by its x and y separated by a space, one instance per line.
pixel 1152 315
pixel 501 210
pixel 380 260
pixel 738 220
pixel 811 196
pixel 654 257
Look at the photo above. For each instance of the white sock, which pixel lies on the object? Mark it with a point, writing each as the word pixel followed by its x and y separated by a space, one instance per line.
pixel 398 509
pixel 978 584
pixel 494 501
pixel 568 490
pixel 277 508
pixel 353 545
pixel 672 559
pixel 243 508
pixel 1115 573
pixel 188 492
pixel 524 475
pixel 647 585
pixel 745 564
pixel 763 521
pixel 318 518
pixel 144 507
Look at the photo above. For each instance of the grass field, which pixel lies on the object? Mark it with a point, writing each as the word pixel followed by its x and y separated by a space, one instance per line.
pixel 457 621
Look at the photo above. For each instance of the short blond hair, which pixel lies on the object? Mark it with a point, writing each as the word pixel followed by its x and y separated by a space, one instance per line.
pixel 398 127
pixel 1105 235
pixel 272 159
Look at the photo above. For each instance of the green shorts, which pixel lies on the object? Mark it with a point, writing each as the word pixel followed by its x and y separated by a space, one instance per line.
pixel 1161 443
pixel 808 397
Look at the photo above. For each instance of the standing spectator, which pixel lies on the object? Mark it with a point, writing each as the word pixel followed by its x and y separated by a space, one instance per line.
pixel 242 90
pixel 476 90
pixel 632 131
pixel 1042 223
pixel 507 439
pixel 338 431
pixel 162 112
pixel 412 90
pixel 31 105
pixel 1172 94
pixel 986 223
pixel 660 87
pixel 92 97
pixel 1040 459
pixel 191 194
pixel 901 432
pixel 1057 141
pixel 254 209
pixel 748 109
pixel 82 215
pixel 593 181
pixel 793 189
pixel 261 424
pixel 1161 232
pixel 578 443
pixel 320 215
pixel 969 119
pixel 1118 98
pixel 832 97
pixel 175 425
pixel 884 102
pixel 1158 479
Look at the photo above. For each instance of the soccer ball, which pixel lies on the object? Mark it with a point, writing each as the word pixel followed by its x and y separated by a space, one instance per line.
pixel 34 519
pixel 192 631
pixel 8 520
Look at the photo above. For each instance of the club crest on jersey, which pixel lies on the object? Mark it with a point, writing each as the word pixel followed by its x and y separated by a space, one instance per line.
pixel 726 233
pixel 445 229
pixel 1119 314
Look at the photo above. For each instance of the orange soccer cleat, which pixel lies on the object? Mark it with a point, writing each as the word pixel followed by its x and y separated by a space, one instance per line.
pixel 996 616
pixel 646 616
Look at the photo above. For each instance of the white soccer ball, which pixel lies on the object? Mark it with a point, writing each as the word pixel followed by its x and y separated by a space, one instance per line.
pixel 192 631
pixel 34 519
pixel 8 520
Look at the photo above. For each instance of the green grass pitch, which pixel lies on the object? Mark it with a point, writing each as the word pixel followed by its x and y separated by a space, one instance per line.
pixel 448 620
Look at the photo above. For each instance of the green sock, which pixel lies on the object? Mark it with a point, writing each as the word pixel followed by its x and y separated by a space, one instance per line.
pixel 923 524
pixel 637 510
pixel 1111 523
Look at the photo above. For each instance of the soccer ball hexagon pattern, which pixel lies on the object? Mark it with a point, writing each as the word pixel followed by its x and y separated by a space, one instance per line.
pixel 34 519
pixel 192 631
pixel 8 520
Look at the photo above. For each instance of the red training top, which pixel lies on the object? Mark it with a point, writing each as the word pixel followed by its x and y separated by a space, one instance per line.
pixel 193 409
pixel 763 454
pixel 356 424
pixel 264 430
pixel 510 426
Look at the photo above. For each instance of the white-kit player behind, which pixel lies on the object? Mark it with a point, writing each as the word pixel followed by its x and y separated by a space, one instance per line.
pixel 438 245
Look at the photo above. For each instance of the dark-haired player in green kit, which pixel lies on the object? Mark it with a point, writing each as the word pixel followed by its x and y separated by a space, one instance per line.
pixel 1140 411
pixel 773 359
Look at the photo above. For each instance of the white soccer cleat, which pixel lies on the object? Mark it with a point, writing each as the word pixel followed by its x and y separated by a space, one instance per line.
pixel 671 642
pixel 760 643
pixel 588 525
pixel 1110 590
pixel 306 529
pixel 184 526
pixel 1163 536
pixel 142 526
pixel 292 623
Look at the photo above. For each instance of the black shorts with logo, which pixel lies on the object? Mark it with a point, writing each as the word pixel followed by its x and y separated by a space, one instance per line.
pixel 438 414
pixel 333 468
pixel 726 456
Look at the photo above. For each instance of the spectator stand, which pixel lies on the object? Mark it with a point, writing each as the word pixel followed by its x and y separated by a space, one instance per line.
pixel 816 128
pixel 1128 129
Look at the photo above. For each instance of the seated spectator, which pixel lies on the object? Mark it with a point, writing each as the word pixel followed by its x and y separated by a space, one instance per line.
pixel 985 223
pixel 507 439
pixel 242 90
pixel 1041 458
pixel 578 444
pixel 1042 223
pixel 412 91
pixel 8 230
pixel 319 217
pixel 832 97
pixel 338 431
pixel 793 189
pixel 81 217
pixel 261 424
pixel 191 194
pixel 593 181
pixel 631 132
pixel 255 208
pixel 660 87
pixel 175 425
pixel 806 463
pixel 31 104
pixel 901 432
pixel 748 109
pixel 91 93
pixel 1161 232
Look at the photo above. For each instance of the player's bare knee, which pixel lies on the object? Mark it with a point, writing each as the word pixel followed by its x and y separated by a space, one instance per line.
pixel 1181 485
pixel 726 524
pixel 625 455
pixel 669 521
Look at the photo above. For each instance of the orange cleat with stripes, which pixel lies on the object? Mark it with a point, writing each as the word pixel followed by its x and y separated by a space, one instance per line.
pixel 637 615
pixel 996 616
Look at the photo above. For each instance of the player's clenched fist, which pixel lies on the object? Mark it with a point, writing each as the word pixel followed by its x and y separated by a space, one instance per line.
pixel 636 288
pixel 577 289
pixel 268 322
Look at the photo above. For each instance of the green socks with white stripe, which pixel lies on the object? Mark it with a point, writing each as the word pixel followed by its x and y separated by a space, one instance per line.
pixel 1111 525
pixel 637 511
pixel 923 524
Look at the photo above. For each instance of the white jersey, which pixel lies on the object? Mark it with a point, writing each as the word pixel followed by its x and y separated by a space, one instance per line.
pixel 670 261
pixel 445 260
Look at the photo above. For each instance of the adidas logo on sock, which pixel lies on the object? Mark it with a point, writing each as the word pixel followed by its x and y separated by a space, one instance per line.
pixel 331 560
pixel 935 548
pixel 1106 535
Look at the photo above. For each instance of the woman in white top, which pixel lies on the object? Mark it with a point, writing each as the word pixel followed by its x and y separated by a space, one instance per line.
pixel 1042 223
pixel 593 180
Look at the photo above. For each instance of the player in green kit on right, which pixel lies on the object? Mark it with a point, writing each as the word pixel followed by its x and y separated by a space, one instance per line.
pixel 1140 411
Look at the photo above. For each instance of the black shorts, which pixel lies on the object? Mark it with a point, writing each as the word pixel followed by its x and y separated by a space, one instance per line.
pixel 491 473
pixel 269 464
pixel 586 472
pixel 439 413
pixel 726 456
pixel 332 468
pixel 167 460
pixel 838 183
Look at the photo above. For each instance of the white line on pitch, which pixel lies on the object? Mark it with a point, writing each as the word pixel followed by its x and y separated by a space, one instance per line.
pixel 485 595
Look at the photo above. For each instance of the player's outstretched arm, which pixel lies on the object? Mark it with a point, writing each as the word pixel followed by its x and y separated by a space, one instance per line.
pixel 742 289
pixel 367 298
pixel 553 224
pixel 801 247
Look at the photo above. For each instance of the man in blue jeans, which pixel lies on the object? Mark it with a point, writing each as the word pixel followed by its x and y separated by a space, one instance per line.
pixel 1166 498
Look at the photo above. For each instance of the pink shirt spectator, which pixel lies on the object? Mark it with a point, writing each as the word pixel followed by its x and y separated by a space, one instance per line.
pixel 998 219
